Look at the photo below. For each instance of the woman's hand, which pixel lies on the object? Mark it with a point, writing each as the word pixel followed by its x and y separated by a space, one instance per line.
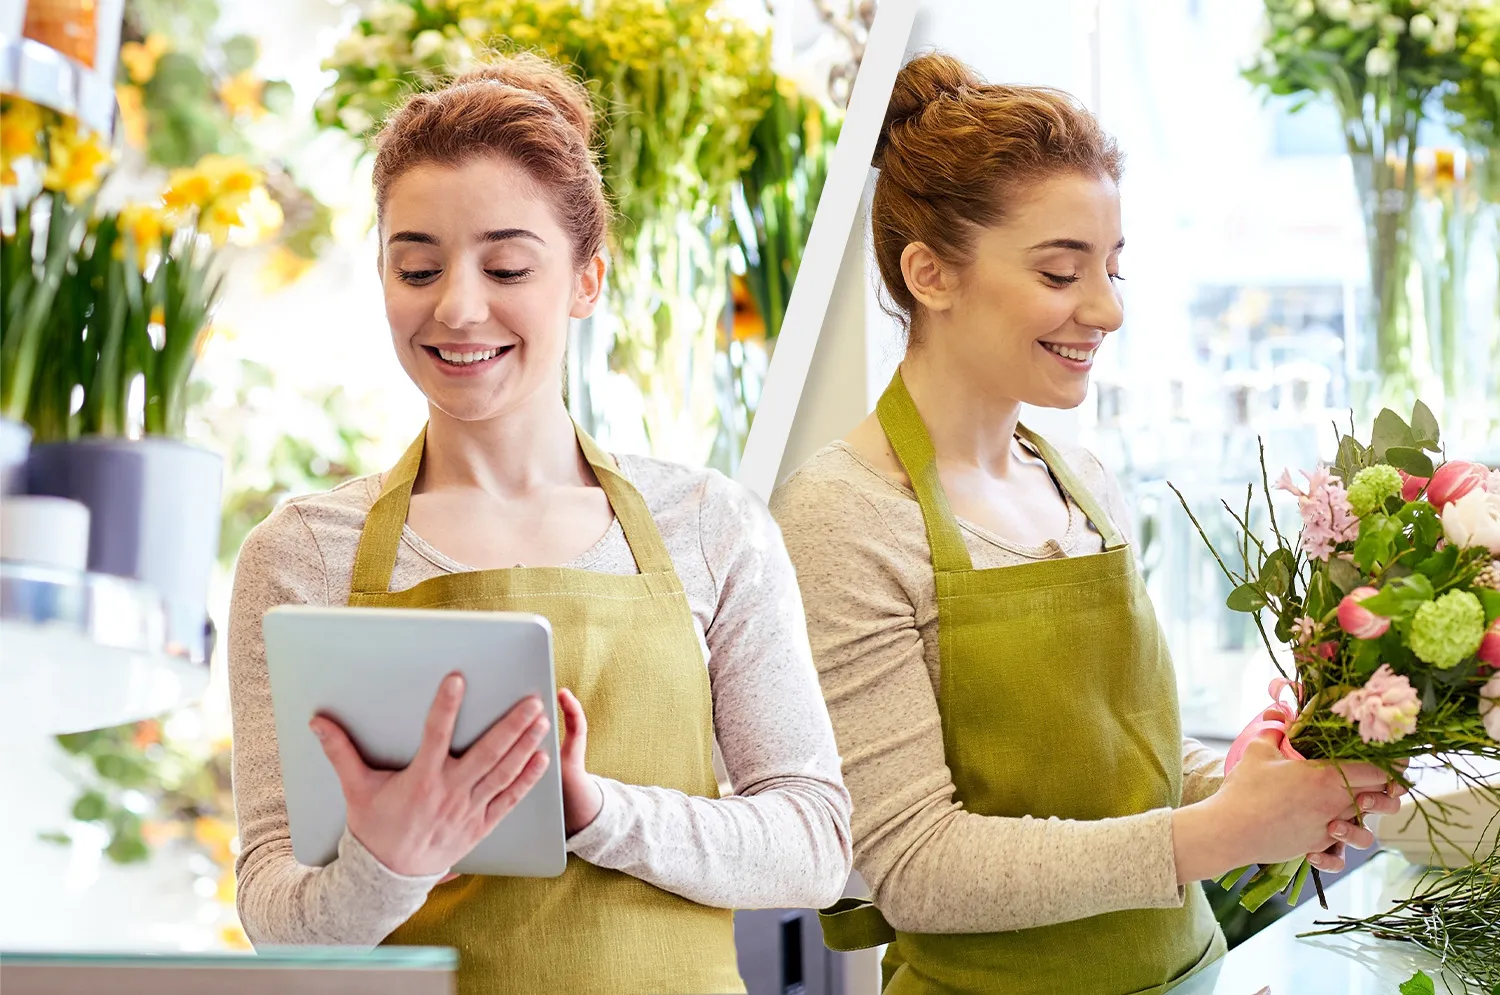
pixel 424 819
pixel 1272 809
pixel 582 796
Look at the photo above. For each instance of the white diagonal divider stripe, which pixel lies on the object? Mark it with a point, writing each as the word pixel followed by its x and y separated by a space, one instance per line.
pixel 837 209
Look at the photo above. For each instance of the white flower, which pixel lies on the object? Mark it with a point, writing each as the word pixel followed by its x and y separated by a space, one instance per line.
pixel 1421 27
pixel 1304 35
pixel 475 27
pixel 1489 706
pixel 1303 9
pixel 1447 23
pixel 1443 42
pixel 1393 25
pixel 1474 520
pixel 1492 482
pixel 391 17
pixel 459 53
pixel 1338 10
pixel 1363 15
pixel 349 51
pixel 355 120
pixel 1380 62
pixel 427 43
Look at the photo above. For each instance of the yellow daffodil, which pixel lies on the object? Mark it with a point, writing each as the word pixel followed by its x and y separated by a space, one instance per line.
pixel 228 174
pixel 132 113
pixel 234 937
pixel 20 127
pixel 241 94
pixel 187 189
pixel 225 892
pixel 158 315
pixel 145 224
pixel 140 58
pixel 219 217
pixel 76 160
pixel 282 268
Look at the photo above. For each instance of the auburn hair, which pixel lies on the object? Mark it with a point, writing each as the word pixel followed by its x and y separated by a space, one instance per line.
pixel 522 107
pixel 955 152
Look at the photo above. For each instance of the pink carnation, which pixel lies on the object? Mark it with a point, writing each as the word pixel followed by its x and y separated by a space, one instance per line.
pixel 1327 518
pixel 1385 708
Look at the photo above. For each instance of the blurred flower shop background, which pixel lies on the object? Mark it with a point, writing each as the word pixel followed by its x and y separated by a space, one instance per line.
pixel 208 275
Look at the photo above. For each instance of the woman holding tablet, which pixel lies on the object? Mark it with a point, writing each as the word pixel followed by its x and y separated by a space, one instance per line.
pixel 675 611
pixel 1026 811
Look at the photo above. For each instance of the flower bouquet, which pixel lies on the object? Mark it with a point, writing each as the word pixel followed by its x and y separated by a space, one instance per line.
pixel 1389 599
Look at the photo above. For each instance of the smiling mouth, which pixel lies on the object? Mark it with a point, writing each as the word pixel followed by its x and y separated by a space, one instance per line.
pixel 467 357
pixel 1068 352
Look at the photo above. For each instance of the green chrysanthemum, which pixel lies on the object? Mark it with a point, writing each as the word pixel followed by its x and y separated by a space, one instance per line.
pixel 1445 631
pixel 1371 486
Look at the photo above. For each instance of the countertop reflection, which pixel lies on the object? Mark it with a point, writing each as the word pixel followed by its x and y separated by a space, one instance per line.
pixel 1351 964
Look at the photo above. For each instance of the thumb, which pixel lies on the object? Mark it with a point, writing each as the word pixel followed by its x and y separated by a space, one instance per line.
pixel 339 749
pixel 575 728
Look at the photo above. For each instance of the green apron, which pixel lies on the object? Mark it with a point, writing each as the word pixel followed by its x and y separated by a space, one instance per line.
pixel 627 647
pixel 1057 699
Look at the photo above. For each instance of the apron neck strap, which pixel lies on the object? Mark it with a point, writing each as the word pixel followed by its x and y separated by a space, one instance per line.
pixel 909 438
pixel 912 444
pixel 380 539
pixel 1074 488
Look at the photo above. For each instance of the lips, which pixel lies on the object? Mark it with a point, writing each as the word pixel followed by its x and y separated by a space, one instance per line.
pixel 1077 353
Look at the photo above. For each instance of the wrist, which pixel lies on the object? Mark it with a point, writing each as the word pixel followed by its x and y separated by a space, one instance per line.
pixel 1205 843
pixel 585 808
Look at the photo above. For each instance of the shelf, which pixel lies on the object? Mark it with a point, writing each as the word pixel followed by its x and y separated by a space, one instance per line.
pixel 45 76
pixel 83 651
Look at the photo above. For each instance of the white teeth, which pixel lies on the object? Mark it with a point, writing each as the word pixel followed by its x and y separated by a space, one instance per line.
pixel 1078 355
pixel 467 357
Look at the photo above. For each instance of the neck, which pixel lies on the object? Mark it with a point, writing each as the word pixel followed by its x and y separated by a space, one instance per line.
pixel 531 446
pixel 969 423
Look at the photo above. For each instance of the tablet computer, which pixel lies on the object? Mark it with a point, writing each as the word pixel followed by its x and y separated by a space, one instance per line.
pixel 376 671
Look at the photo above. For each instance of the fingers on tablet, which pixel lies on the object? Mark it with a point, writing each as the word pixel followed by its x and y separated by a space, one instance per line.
pixel 513 792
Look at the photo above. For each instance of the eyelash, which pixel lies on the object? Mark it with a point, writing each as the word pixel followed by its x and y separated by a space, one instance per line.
pixel 420 276
pixel 1063 281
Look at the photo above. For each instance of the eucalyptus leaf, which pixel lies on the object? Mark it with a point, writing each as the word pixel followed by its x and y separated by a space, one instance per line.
pixel 1246 598
pixel 1343 575
pixel 1424 427
pixel 1390 431
pixel 240 53
pixel 1413 461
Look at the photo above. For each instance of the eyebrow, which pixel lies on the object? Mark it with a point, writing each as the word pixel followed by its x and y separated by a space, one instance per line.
pixel 1072 244
pixel 494 235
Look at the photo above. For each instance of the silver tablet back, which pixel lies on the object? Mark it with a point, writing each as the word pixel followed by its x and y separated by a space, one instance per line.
pixel 376 671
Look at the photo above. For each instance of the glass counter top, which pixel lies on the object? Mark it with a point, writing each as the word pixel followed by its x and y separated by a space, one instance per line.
pixel 1275 962
pixel 304 958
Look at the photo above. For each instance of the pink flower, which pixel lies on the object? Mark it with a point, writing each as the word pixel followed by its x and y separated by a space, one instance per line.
pixel 1327 518
pixel 1453 480
pixel 1492 483
pixel 1359 621
pixel 1303 629
pixel 1489 646
pixel 1489 706
pixel 1385 708
pixel 1411 486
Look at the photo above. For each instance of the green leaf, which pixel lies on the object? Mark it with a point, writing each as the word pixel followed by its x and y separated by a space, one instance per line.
pixel 1367 656
pixel 61 839
pixel 1424 426
pixel 1344 576
pixel 90 807
pixel 240 53
pixel 1246 598
pixel 1418 984
pixel 277 96
pixel 1490 600
pixel 127 848
pixel 1390 431
pixel 1413 461
pixel 1439 566
pixel 1401 597
pixel 1276 573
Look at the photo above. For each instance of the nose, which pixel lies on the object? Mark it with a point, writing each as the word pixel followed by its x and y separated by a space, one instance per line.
pixel 1101 307
pixel 461 299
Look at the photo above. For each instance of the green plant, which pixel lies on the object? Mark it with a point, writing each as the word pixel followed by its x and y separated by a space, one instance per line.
pixel 1380 63
pixel 680 87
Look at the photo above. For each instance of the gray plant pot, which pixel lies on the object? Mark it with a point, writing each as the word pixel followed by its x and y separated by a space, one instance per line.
pixel 15 443
pixel 154 516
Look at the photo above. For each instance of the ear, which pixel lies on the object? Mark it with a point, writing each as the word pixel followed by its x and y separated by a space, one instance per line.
pixel 934 285
pixel 588 288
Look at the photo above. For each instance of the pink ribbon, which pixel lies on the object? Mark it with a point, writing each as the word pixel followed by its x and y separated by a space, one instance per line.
pixel 1277 719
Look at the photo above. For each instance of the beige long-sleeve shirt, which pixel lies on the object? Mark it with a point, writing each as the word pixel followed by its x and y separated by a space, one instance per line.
pixel 781 840
pixel 860 547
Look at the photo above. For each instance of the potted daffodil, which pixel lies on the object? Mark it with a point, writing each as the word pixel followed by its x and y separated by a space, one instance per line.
pixel 106 312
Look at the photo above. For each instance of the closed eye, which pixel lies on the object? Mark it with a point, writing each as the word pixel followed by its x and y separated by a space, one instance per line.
pixel 1059 280
pixel 508 275
pixel 416 276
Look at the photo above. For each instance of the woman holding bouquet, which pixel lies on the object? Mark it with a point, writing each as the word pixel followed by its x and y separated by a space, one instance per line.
pixel 1026 811
pixel 674 610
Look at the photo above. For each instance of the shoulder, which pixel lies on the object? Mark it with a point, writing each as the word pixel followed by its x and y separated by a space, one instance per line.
pixel 1099 480
pixel 306 528
pixel 836 490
